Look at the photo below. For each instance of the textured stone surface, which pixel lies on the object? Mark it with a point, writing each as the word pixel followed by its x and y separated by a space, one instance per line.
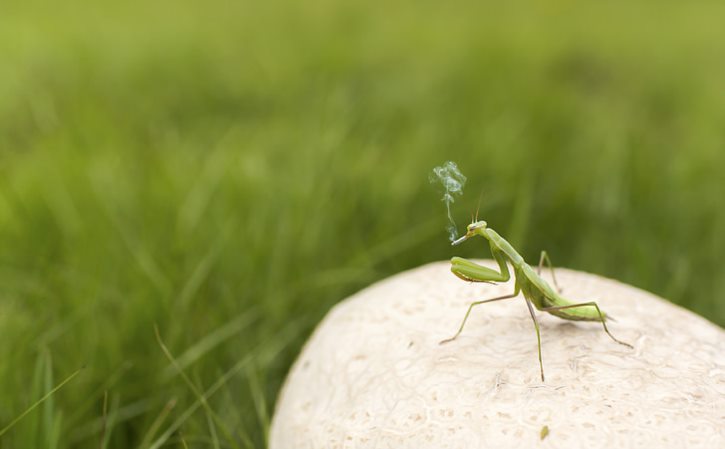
pixel 374 376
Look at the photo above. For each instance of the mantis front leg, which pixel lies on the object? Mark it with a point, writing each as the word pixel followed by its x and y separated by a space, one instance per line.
pixel 473 272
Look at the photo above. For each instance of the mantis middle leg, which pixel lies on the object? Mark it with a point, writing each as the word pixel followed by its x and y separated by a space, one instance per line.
pixel 545 257
pixel 538 334
pixel 468 312
pixel 588 304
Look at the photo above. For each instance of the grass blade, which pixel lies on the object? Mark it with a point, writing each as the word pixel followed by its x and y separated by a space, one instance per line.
pixel 37 403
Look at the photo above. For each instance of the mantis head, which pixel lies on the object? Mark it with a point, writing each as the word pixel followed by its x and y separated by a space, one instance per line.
pixel 471 230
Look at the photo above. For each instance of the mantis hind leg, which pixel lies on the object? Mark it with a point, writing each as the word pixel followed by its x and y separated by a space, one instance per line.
pixel 588 304
pixel 545 258
pixel 538 335
pixel 468 312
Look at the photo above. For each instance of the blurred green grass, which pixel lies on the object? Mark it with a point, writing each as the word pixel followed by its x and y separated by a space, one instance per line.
pixel 229 171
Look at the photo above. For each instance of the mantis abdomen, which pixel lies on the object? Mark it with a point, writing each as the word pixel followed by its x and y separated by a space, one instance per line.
pixel 549 300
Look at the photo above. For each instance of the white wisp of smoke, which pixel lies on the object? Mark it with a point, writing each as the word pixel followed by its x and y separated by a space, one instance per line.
pixel 452 180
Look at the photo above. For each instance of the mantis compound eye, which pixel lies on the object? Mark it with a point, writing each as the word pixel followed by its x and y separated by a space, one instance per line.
pixel 476 225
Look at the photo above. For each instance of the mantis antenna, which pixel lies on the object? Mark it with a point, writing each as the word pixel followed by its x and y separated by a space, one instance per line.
pixel 478 208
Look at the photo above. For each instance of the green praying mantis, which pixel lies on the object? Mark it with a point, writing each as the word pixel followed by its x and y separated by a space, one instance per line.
pixel 535 289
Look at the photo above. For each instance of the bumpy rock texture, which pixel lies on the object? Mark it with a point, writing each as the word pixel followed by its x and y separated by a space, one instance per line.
pixel 374 376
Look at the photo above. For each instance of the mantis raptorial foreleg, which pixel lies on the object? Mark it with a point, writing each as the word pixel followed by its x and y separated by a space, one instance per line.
pixel 588 304
pixel 545 257
pixel 468 312
pixel 473 272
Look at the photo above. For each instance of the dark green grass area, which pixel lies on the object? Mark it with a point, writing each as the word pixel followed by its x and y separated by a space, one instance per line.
pixel 229 171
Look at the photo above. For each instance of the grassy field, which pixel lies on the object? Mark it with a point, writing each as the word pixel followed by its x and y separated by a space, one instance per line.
pixel 226 172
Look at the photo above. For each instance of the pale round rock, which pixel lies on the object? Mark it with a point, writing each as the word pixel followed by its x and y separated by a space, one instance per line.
pixel 373 374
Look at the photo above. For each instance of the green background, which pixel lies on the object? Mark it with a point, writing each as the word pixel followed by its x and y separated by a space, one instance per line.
pixel 228 171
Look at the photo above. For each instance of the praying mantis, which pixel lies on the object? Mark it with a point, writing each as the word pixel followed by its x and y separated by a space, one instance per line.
pixel 535 289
